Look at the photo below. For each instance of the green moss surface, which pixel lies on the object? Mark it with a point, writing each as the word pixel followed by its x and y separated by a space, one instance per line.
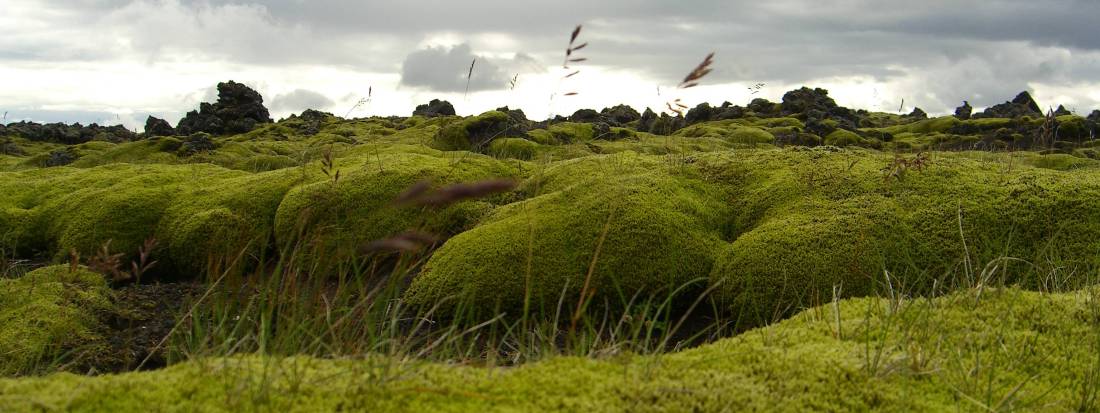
pixel 648 226
pixel 513 148
pixel 733 131
pixel 841 137
pixel 202 211
pixel 49 317
pixel 473 133
pixel 808 224
pixel 979 350
pixel 359 207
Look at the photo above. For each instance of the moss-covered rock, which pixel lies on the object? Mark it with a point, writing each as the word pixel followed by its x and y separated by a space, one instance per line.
pixel 729 130
pixel 359 207
pixel 842 138
pixel 475 133
pixel 810 223
pixel 513 148
pixel 50 317
pixel 940 124
pixel 641 226
pixel 571 132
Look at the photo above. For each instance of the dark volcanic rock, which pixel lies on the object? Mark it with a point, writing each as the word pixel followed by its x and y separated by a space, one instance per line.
pixel 601 130
pixel 665 124
pixel 815 123
pixel 310 121
pixel 702 112
pixel 620 114
pixel 61 157
pixel 239 109
pixel 1062 111
pixel 815 106
pixel 728 111
pixel 158 127
pixel 1094 116
pixel 435 108
pixel 516 115
pixel 963 112
pixel 197 142
pixel 645 123
pixel 805 99
pixel 764 107
pixel 586 116
pixel 7 147
pixel 917 114
pixel 204 120
pixel 68 134
pixel 1022 105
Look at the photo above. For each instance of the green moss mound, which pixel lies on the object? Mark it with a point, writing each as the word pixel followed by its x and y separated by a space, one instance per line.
pixel 732 131
pixel 652 226
pixel 359 208
pixel 971 351
pixel 476 132
pixel 933 125
pixel 49 317
pixel 811 224
pixel 517 148
pixel 842 138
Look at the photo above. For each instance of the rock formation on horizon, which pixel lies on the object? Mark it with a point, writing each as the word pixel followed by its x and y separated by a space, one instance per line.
pixel 239 109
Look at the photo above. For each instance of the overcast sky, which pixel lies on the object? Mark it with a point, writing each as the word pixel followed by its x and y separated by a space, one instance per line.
pixel 116 61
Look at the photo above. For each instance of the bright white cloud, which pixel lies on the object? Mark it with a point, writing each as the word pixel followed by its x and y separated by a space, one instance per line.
pixel 122 59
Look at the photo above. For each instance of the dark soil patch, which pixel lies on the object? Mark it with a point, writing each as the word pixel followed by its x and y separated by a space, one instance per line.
pixel 144 315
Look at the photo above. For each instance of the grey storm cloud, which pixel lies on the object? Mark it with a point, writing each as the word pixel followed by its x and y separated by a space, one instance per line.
pixel 446 69
pixel 946 50
pixel 299 100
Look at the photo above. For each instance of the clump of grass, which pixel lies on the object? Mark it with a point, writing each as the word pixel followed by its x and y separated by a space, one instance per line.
pixel 110 264
pixel 354 307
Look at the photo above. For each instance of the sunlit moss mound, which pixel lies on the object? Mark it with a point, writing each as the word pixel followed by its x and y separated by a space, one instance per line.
pixel 50 316
pixel 619 223
pixel 476 132
pixel 808 224
pixel 977 350
pixel 359 207
pixel 202 212
pixel 518 148
pixel 731 131
pixel 193 211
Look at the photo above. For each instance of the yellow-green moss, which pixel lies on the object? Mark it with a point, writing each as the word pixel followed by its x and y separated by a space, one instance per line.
pixel 967 351
pixel 728 130
pixel 807 223
pixel 459 135
pixel 569 132
pixel 940 124
pixel 542 137
pixel 659 229
pixel 841 137
pixel 773 122
pixel 50 316
pixel 358 208
pixel 518 148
